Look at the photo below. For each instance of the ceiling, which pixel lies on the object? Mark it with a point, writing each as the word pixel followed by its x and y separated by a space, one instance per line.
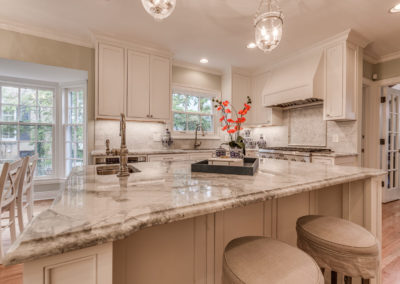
pixel 216 29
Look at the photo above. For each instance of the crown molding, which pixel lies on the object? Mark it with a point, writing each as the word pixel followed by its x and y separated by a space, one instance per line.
pixel 136 45
pixel 44 33
pixel 195 67
pixel 389 57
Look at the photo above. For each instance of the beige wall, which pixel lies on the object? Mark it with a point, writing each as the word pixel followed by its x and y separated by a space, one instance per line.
pixel 34 49
pixel 194 78
pixel 385 70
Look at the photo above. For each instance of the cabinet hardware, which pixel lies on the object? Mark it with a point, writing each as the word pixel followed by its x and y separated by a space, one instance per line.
pixel 383 100
pixel 382 141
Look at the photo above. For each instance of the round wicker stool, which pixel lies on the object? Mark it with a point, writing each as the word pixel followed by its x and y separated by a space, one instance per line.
pixel 339 245
pixel 253 260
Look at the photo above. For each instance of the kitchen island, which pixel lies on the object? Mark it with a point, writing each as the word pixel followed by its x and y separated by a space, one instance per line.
pixel 165 224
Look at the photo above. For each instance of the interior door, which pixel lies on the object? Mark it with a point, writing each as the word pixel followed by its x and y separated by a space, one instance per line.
pixel 390 132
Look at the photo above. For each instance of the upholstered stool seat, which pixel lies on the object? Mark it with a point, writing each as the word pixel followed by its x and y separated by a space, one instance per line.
pixel 339 245
pixel 253 260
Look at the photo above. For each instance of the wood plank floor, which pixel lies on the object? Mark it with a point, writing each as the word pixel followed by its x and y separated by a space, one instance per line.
pixel 390 250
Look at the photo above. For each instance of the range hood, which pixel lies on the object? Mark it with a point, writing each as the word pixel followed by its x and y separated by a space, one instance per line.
pixel 296 82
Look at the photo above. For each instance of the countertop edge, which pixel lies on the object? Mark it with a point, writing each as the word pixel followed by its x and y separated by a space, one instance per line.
pixel 114 233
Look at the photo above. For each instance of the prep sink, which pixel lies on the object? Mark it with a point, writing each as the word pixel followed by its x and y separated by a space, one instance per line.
pixel 113 170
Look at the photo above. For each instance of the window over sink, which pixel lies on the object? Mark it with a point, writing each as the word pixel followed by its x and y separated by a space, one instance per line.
pixel 190 108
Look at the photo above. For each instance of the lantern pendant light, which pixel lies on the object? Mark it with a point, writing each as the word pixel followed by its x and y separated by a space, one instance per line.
pixel 268 24
pixel 159 9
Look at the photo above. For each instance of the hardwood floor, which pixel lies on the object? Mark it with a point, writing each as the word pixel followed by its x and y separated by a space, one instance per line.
pixel 390 250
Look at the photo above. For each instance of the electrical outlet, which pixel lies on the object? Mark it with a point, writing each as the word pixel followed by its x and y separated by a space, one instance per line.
pixel 335 138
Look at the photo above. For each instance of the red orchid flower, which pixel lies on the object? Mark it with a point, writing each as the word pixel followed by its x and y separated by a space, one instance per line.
pixel 230 120
pixel 225 103
pixel 231 131
pixel 219 108
pixel 228 110
pixel 222 118
pixel 225 128
pixel 247 106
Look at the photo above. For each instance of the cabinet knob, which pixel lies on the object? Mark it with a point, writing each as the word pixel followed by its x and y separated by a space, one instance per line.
pixel 151 115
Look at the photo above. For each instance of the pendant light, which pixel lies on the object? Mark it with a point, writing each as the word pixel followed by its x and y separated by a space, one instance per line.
pixel 159 9
pixel 268 24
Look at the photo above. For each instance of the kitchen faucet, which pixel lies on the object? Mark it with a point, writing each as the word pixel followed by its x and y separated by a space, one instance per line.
pixel 197 144
pixel 123 151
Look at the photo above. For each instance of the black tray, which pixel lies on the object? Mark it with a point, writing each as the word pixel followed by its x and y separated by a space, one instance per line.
pixel 249 168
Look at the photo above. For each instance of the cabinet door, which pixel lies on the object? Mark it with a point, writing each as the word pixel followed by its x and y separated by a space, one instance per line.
pixel 160 87
pixel 334 80
pixel 138 100
pixel 241 88
pixel 111 80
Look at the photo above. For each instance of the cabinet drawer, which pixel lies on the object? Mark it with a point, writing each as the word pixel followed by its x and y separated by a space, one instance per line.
pixel 167 158
pixel 200 156
pixel 325 161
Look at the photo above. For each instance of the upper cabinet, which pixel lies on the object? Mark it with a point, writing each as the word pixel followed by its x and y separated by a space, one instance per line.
pixel 341 81
pixel 160 70
pixel 111 81
pixel 133 80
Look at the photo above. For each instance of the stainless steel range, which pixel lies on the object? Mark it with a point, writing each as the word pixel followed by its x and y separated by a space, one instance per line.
pixel 298 154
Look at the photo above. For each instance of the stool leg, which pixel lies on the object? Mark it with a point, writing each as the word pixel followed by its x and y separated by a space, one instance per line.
pixel 364 281
pixel 347 280
pixel 333 277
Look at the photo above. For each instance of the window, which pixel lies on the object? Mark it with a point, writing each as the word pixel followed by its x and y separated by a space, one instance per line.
pixel 27 120
pixel 43 119
pixel 192 108
pixel 74 128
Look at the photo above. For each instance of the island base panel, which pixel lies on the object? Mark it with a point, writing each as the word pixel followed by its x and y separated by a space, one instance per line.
pixel 191 250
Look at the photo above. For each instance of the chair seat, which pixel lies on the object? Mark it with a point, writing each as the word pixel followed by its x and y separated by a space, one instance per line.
pixel 254 260
pixel 339 244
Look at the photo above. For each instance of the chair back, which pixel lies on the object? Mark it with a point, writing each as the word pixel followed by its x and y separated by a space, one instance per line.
pixel 10 180
pixel 27 180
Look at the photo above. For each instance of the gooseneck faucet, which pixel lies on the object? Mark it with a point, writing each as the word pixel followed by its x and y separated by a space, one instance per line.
pixel 198 144
pixel 123 151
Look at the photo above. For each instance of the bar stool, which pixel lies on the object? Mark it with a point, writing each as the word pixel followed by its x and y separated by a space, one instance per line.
pixel 339 245
pixel 253 260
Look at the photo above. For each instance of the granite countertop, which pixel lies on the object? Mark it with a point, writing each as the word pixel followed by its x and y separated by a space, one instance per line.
pixel 95 209
pixel 157 152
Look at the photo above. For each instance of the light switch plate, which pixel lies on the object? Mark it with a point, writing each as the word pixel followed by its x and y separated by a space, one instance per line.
pixel 156 137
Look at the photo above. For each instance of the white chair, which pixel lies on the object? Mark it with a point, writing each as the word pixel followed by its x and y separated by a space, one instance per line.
pixel 9 183
pixel 25 192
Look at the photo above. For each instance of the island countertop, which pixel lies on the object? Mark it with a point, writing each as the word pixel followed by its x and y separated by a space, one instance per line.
pixel 94 209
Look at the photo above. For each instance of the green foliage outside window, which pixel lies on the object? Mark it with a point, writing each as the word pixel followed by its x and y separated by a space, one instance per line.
pixel 191 110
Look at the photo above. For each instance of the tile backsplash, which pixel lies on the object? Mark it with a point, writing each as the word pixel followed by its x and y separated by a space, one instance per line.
pixel 300 127
pixel 141 136
pixel 302 124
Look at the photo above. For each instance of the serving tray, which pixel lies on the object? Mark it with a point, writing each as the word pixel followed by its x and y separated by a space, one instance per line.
pixel 249 168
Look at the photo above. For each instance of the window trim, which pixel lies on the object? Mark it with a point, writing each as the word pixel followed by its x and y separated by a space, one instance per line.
pixel 201 92
pixel 64 91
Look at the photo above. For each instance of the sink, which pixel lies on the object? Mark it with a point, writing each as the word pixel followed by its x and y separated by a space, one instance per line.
pixel 113 170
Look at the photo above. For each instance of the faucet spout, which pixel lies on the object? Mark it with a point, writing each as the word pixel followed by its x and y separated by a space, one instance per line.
pixel 198 143
pixel 123 152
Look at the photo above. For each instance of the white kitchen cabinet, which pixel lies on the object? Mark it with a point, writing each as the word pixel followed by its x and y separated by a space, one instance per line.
pixel 111 81
pixel 241 88
pixel 336 161
pixel 160 87
pixel 341 81
pixel 168 158
pixel 138 101
pixel 132 79
pixel 200 156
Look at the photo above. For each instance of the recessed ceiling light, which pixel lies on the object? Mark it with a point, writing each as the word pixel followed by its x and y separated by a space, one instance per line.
pixel 251 45
pixel 395 9
pixel 204 60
